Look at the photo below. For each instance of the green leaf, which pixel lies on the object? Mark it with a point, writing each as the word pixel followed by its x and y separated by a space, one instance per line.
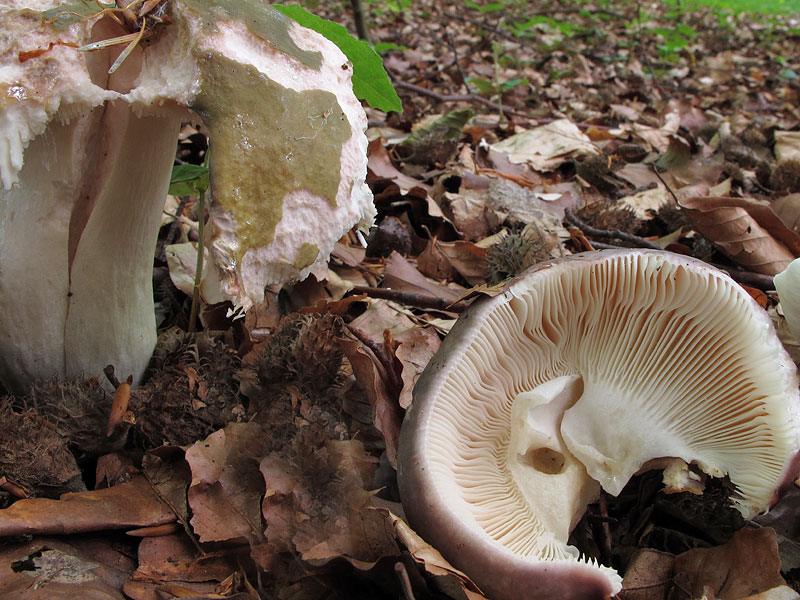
pixel 370 81
pixel 446 128
pixel 484 85
pixel 188 180
pixel 382 47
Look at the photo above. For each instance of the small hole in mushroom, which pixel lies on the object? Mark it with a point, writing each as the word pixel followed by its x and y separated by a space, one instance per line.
pixel 544 460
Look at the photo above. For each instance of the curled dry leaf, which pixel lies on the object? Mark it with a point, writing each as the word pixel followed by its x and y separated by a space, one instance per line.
pixel 447 578
pixel 416 348
pixel 459 256
pixel 380 163
pixel 401 275
pixel 369 372
pixel 748 232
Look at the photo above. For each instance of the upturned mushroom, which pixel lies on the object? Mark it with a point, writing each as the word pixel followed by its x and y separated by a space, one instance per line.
pixel 580 374
pixel 92 100
pixel 787 284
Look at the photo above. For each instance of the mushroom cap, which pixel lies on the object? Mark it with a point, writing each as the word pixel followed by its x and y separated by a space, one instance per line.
pixel 288 167
pixel 787 284
pixel 286 138
pixel 580 373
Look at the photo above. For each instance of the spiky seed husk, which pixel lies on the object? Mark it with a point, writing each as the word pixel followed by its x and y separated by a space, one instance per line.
pixel 786 177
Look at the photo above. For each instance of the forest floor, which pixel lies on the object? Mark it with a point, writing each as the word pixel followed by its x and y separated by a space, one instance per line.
pixel 258 459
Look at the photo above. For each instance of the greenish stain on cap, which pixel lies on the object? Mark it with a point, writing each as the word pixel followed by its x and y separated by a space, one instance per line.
pixel 266 141
pixel 261 19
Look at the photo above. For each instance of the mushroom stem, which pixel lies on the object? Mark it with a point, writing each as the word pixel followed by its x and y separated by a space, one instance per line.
pixel 111 317
pixel 86 155
pixel 91 301
pixel 787 283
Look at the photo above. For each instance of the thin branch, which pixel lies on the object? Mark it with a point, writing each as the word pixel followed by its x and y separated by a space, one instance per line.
pixel 609 234
pixel 411 299
pixel 439 97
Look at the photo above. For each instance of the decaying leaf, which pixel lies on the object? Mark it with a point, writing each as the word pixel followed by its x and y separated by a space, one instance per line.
pixel 325 514
pixel 226 488
pixel 746 565
pixel 748 232
pixel 447 578
pixel 443 259
pixel 126 505
pixel 52 569
pixel 649 576
pixel 547 146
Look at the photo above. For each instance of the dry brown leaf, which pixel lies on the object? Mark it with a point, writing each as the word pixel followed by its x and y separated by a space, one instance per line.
pixel 788 210
pixel 401 275
pixel 745 565
pixel 327 515
pixel 649 576
pixel 748 232
pixel 52 569
pixel 447 578
pixel 441 259
pixel 386 413
pixel 175 558
pixel 416 348
pixel 132 504
pixel 226 490
pixel 380 163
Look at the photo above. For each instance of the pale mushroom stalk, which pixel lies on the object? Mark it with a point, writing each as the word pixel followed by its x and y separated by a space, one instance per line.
pixel 583 372
pixel 787 284
pixel 85 162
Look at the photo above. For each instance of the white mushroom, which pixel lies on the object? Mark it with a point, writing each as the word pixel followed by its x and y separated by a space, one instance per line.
pixel 85 161
pixel 787 284
pixel 581 373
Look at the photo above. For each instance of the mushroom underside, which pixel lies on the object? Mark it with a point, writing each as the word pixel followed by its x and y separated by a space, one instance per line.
pixel 578 376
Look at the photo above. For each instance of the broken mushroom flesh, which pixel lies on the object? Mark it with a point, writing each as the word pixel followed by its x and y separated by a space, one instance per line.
pixel 582 372
pixel 86 157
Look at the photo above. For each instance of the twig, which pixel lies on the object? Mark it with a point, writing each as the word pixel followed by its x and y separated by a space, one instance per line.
pixel 756 280
pixel 664 183
pixel 481 100
pixel 360 20
pixel 456 63
pixel 405 581
pixel 411 299
pixel 609 234
pixel 198 274
pixel 453 97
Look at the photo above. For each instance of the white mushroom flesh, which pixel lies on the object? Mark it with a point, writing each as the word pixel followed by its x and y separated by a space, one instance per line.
pixel 585 371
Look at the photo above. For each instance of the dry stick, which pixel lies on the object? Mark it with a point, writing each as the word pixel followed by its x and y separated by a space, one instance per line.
pixel 360 20
pixel 456 63
pixel 411 298
pixel 748 278
pixel 481 100
pixel 198 274
pixel 609 234
pixel 405 581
